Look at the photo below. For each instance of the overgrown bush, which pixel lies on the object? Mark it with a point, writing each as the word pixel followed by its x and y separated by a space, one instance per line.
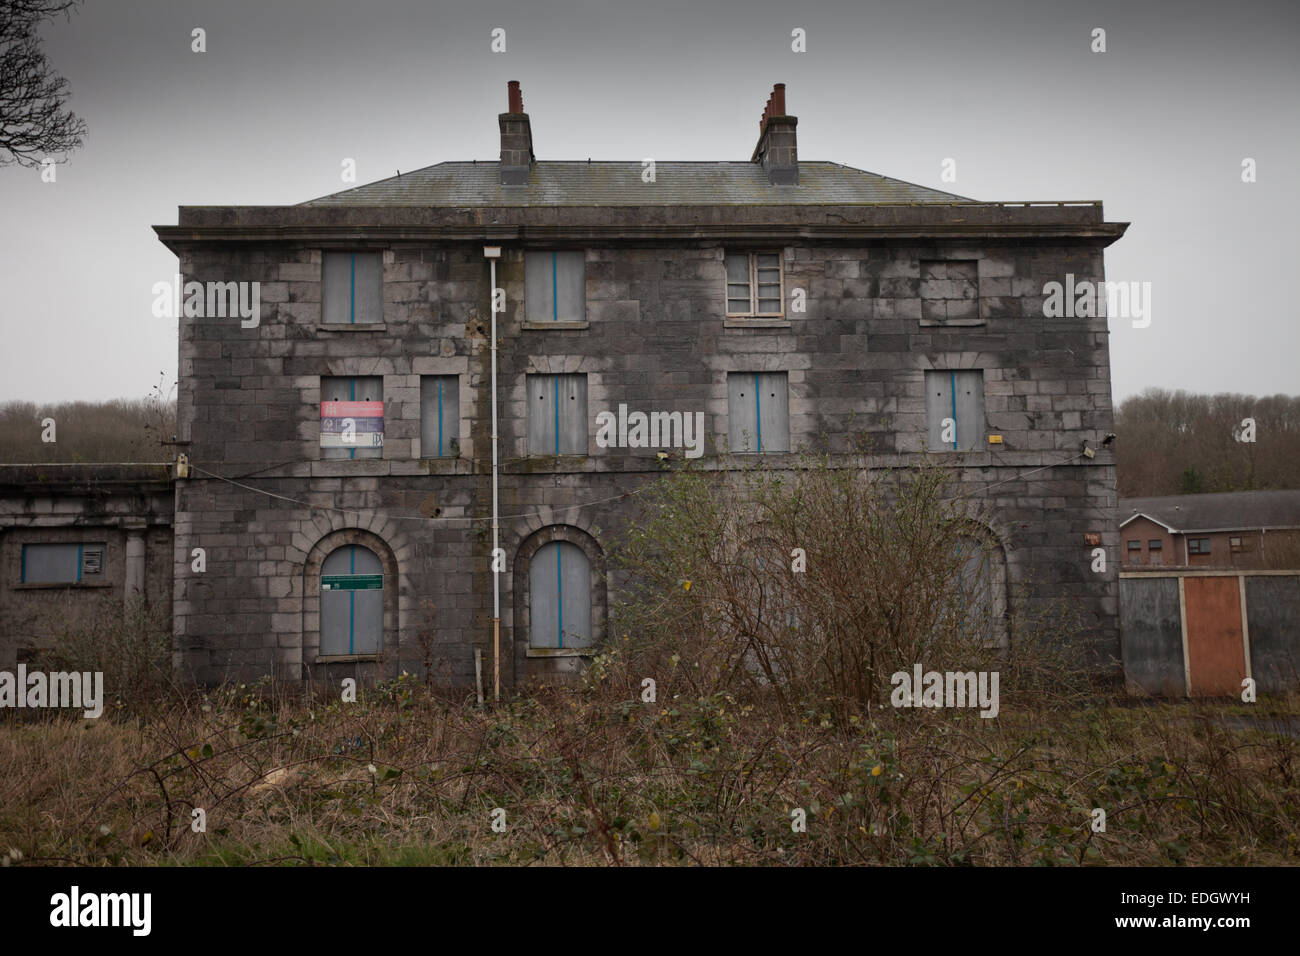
pixel 817 584
pixel 130 642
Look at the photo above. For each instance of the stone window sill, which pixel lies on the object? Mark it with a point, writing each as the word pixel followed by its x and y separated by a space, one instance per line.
pixel 561 652
pixel 939 323
pixel 749 322
pixel 346 658
pixel 555 326
pixel 352 327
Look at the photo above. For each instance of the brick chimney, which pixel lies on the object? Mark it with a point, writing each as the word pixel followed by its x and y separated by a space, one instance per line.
pixel 776 150
pixel 516 140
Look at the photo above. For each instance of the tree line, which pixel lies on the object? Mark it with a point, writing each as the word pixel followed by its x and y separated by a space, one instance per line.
pixel 1177 443
pixel 122 430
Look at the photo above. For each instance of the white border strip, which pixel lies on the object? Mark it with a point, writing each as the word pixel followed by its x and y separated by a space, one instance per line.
pixel 1245 623
pixel 1182 624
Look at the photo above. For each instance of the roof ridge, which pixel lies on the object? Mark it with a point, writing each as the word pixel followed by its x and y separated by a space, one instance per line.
pixel 560 182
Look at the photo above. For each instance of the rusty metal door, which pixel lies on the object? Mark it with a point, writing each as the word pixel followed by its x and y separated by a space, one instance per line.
pixel 1216 656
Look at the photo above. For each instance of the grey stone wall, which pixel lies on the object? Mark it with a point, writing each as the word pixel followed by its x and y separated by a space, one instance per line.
pixel 1273 617
pixel 656 339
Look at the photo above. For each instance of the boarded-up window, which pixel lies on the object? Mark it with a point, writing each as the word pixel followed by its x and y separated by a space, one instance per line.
pixel 78 563
pixel 556 286
pixel 950 290
pixel 352 417
pixel 758 405
pixel 754 284
pixel 439 416
pixel 559 589
pixel 557 414
pixel 351 602
pixel 352 287
pixel 954 409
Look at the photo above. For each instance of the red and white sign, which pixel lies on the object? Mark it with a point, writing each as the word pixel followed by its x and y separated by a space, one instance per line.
pixel 351 424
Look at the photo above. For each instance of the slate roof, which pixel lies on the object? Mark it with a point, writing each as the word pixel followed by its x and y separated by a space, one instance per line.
pixel 1225 511
pixel 601 183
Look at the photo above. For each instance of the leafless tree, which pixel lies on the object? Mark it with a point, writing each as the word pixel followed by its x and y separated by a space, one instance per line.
pixel 1180 442
pixel 34 120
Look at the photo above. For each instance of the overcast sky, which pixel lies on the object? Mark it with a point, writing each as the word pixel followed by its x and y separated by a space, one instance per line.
pixel 1156 127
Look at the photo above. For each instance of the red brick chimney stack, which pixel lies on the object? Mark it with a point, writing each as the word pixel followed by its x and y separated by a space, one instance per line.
pixel 777 150
pixel 516 139
pixel 775 106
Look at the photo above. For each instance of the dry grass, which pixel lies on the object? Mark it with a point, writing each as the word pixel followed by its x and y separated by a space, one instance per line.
pixel 595 776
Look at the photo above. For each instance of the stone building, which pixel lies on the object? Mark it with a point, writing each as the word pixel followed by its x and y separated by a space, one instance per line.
pixel 72 539
pixel 339 440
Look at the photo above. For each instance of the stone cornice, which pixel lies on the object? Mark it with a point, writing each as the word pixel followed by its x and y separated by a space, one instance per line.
pixel 386 225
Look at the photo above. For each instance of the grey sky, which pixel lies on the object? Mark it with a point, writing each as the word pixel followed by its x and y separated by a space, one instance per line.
pixel 1156 127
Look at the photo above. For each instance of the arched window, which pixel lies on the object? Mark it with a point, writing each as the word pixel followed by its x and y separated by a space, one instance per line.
pixel 559 586
pixel 351 603
pixel 765 614
pixel 982 589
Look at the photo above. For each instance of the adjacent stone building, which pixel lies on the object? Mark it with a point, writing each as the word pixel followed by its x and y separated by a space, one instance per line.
pixel 339 442
pixel 74 539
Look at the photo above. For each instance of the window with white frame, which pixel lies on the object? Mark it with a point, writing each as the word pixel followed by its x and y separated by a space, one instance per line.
pixel 755 285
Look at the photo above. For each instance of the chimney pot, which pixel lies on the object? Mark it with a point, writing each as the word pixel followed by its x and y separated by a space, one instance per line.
pixel 515 97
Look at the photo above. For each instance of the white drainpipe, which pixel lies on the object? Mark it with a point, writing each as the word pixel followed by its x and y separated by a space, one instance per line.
pixel 492 254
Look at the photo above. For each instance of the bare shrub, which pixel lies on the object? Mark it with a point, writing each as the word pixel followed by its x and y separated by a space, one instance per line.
pixel 816 583
pixel 130 642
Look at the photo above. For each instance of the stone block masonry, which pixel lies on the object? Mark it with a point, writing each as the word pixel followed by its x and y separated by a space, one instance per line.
pixel 657 337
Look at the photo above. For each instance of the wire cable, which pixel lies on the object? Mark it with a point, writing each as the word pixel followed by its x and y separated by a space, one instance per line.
pixel 353 511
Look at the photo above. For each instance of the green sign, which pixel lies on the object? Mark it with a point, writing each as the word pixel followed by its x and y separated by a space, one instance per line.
pixel 352 582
